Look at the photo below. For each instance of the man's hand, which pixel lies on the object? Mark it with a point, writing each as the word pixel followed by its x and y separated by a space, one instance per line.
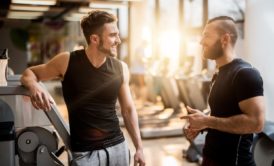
pixel 139 159
pixel 190 134
pixel 40 99
pixel 196 119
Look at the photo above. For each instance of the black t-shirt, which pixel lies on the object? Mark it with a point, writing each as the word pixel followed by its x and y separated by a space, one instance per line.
pixel 234 82
pixel 91 94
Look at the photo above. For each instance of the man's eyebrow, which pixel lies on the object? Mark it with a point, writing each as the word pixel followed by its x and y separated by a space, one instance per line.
pixel 204 33
pixel 114 33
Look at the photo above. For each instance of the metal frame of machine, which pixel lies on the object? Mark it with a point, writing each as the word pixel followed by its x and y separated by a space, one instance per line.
pixel 27 139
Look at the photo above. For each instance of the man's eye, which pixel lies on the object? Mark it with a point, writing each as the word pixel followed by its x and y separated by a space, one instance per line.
pixel 206 36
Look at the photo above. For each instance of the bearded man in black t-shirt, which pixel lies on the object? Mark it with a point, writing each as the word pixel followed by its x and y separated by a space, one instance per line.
pixel 236 100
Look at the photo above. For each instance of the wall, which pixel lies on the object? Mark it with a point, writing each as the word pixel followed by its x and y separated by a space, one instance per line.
pixel 42 41
pixel 18 57
pixel 259 50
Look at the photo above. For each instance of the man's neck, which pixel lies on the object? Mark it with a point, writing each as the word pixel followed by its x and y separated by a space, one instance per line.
pixel 228 57
pixel 95 56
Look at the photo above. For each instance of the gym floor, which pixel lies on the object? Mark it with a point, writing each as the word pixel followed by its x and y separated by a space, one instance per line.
pixel 163 151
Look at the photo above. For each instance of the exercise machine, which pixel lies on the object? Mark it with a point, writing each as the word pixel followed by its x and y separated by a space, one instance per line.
pixel 166 122
pixel 29 137
pixel 263 146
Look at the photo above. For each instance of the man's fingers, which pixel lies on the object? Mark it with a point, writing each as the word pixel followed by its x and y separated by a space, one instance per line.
pixel 184 117
pixel 190 134
pixel 51 100
pixel 39 100
pixel 185 131
pixel 139 163
pixel 45 101
pixel 190 110
pixel 34 104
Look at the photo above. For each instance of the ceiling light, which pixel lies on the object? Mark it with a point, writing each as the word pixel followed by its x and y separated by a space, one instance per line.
pixel 35 2
pixel 107 5
pixel 88 9
pixel 23 15
pixel 29 8
pixel 77 15
pixel 70 18
pixel 74 16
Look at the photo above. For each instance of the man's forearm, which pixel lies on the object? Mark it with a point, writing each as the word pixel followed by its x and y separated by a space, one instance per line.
pixel 28 78
pixel 238 124
pixel 131 123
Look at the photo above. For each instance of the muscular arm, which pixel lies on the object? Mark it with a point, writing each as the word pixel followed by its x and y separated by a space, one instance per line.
pixel 130 116
pixel 251 120
pixel 55 68
pixel 248 88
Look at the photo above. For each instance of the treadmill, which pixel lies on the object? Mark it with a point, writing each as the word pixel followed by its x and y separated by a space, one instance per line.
pixel 194 92
pixel 263 146
pixel 166 123
pixel 184 91
pixel 30 137
pixel 147 111
pixel 194 84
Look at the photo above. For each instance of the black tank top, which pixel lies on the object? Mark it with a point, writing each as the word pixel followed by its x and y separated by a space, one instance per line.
pixel 90 95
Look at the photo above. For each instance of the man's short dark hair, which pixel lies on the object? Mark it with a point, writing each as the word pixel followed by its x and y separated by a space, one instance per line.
pixel 94 22
pixel 226 25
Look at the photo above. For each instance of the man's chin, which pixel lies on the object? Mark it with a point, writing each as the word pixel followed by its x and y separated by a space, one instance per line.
pixel 205 56
pixel 208 55
pixel 113 53
pixel 211 57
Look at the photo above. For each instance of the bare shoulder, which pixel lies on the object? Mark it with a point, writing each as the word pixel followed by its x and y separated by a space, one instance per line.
pixel 59 63
pixel 125 71
pixel 62 57
pixel 124 65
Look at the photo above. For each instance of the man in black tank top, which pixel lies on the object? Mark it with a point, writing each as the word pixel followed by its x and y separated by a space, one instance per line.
pixel 92 81
pixel 236 101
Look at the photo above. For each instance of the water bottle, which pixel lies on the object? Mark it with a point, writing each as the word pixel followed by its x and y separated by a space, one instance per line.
pixel 3 67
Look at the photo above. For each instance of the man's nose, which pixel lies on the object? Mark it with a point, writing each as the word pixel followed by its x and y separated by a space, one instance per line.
pixel 201 41
pixel 118 40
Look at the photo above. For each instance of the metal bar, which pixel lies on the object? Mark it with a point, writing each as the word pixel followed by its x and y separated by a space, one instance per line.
pixel 15 88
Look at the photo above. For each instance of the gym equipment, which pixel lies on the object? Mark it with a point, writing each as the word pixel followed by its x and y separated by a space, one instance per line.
pixel 263 146
pixel 27 136
pixel 194 91
pixel 184 91
pixel 7 134
pixel 166 122
pixel 148 115
pixel 194 153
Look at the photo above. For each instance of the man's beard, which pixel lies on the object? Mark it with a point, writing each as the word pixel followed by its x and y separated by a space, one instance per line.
pixel 215 51
pixel 105 50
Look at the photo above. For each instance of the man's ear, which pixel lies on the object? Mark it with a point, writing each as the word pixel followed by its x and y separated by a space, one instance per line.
pixel 94 39
pixel 226 39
